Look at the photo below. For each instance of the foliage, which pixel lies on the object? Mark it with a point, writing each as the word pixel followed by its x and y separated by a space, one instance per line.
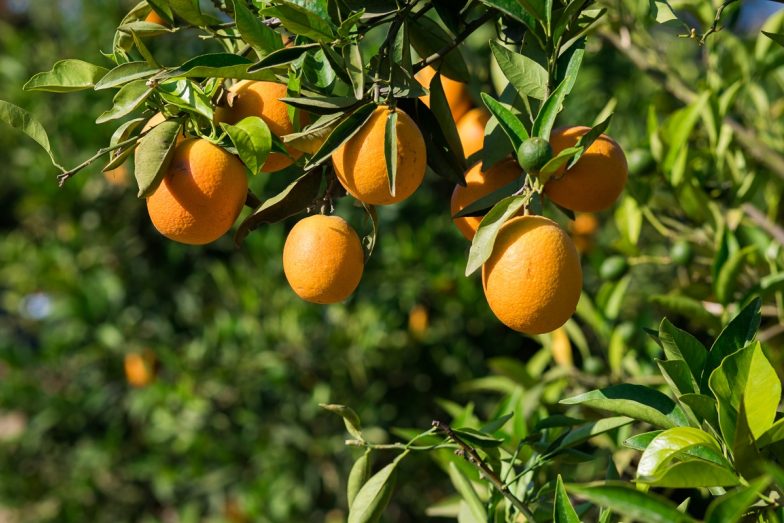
pixel 230 428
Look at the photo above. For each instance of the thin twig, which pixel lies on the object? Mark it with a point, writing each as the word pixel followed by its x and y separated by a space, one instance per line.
pixel 714 28
pixel 472 457
pixel 64 176
pixel 760 219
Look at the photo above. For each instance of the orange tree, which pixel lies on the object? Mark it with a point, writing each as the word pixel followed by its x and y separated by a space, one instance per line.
pixel 358 101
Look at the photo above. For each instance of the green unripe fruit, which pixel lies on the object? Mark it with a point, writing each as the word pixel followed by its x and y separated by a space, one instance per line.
pixel 613 268
pixel 681 253
pixel 533 154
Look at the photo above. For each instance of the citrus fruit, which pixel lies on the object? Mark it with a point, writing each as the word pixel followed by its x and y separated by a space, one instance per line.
pixel 533 154
pixel 456 92
pixel 583 230
pixel 360 163
pixel 598 178
pixel 155 18
pixel 532 279
pixel 201 194
pixel 613 268
pixel 139 368
pixel 479 184
pixel 323 259
pixel 156 119
pixel 262 99
pixel 471 129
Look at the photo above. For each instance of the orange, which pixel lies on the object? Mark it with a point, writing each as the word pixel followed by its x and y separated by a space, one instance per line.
pixel 155 18
pixel 561 348
pixel 262 99
pixel 201 195
pixel 597 179
pixel 479 184
pixel 532 280
pixel 360 163
pixel 456 92
pixel 418 320
pixel 323 259
pixel 139 368
pixel 117 176
pixel 471 129
pixel 583 230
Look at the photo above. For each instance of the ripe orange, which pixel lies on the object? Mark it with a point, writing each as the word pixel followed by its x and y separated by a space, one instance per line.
pixel 202 194
pixel 456 92
pixel 418 320
pixel 262 99
pixel 532 280
pixel 155 18
pixel 583 230
pixel 360 163
pixel 479 184
pixel 597 179
pixel 323 259
pixel 139 368
pixel 471 128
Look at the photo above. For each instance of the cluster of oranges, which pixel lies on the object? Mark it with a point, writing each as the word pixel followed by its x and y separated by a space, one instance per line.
pixel 532 279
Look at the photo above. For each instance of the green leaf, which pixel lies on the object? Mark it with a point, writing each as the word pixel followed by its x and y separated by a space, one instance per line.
pixel 322 104
pixel 730 507
pixel 66 76
pixel 563 512
pixel 350 418
pixel 295 198
pixel 427 37
pixel 253 141
pixel 526 75
pixel 144 29
pixel 641 441
pixel 685 306
pixel 773 435
pixel 189 11
pixel 303 22
pixel 661 11
pixel 23 121
pixel 467 492
pixel 680 345
pixel 587 431
pixel 154 154
pixel 440 108
pixel 127 100
pixel 691 474
pixel 477 438
pixel 282 57
pixel 746 373
pixel 728 275
pixel 678 376
pixel 390 149
pixel 263 39
pixel 745 453
pixel 125 73
pixel 485 203
pixel 513 9
pixel 373 498
pixel 544 121
pixel 631 503
pixel 667 445
pixel 507 120
pixel 776 37
pixel 703 407
pixel 186 94
pixel 482 244
pixel 355 69
pixel 216 65
pixel 560 159
pixel 121 134
pixel 369 240
pixel 737 334
pixel 679 127
pixel 358 476
pixel 636 401
pixel 585 141
pixel 347 128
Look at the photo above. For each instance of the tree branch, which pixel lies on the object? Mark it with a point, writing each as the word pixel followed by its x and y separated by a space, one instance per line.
pixel 470 28
pixel 472 457
pixel 746 138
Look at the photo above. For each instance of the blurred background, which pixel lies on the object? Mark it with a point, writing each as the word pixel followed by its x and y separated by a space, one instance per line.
pixel 144 380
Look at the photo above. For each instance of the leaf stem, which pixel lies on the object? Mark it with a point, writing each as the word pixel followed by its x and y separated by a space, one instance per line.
pixel 469 29
pixel 470 454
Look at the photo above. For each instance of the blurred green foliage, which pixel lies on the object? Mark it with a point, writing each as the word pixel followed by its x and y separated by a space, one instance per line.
pixel 230 430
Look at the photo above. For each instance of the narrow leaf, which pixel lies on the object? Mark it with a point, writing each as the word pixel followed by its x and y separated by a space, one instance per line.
pixel 127 100
pixel 125 73
pixel 350 418
pixel 253 141
pixel 154 154
pixel 358 476
pixel 544 121
pixel 23 121
pixel 390 149
pixel 507 120
pixel 563 512
pixel 66 76
pixel 631 503
pixel 730 507
pixel 347 128
pixel 482 244
pixel 526 75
